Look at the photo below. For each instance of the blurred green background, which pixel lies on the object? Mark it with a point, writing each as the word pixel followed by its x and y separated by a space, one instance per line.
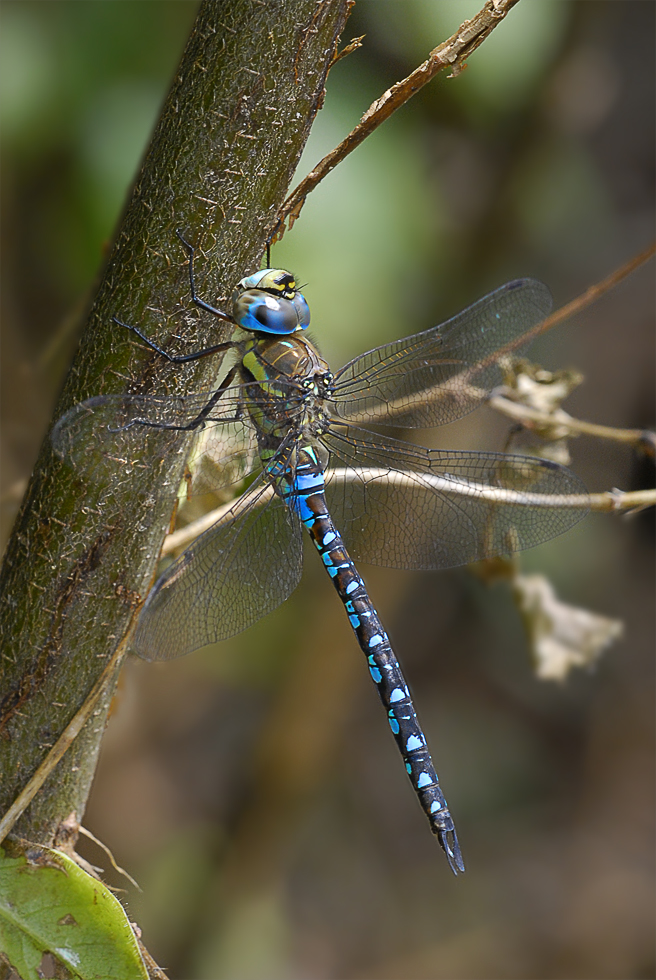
pixel 253 788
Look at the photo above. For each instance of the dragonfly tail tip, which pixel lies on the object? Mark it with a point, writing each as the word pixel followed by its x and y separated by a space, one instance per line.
pixel 451 847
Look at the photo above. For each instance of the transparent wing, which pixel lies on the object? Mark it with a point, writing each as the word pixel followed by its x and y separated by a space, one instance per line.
pixel 408 507
pixel 238 571
pixel 107 437
pixel 441 374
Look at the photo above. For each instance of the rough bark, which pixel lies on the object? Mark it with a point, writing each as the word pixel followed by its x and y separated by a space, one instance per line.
pixel 223 153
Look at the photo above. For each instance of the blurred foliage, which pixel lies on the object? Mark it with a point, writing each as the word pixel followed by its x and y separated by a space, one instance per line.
pixel 253 789
pixel 76 119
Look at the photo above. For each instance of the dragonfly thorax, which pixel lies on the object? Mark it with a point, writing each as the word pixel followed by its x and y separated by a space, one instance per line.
pixel 269 302
pixel 295 359
pixel 294 380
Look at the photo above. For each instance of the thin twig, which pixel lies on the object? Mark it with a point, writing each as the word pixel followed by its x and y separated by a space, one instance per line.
pixel 533 418
pixel 61 746
pixel 185 535
pixel 591 295
pixel 349 49
pixel 102 846
pixel 610 500
pixel 629 501
pixel 450 53
pixel 155 972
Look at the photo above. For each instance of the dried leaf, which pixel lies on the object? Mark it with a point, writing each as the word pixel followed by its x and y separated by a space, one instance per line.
pixel 535 387
pixel 561 636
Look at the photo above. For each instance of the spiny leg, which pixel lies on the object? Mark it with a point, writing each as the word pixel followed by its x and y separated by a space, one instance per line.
pixel 206 351
pixel 200 419
pixel 176 358
pixel 192 284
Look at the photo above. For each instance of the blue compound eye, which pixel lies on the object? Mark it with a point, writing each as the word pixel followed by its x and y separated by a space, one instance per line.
pixel 269 303
pixel 257 310
pixel 302 311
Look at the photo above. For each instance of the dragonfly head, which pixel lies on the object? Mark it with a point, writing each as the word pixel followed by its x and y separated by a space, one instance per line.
pixel 269 302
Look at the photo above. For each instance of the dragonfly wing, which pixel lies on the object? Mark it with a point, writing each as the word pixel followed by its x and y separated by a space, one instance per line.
pixel 441 374
pixel 404 506
pixel 236 572
pixel 108 437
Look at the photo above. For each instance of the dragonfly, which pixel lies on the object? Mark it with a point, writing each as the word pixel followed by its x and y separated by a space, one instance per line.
pixel 296 435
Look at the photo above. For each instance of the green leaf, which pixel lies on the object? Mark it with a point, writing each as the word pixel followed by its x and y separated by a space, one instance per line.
pixel 48 904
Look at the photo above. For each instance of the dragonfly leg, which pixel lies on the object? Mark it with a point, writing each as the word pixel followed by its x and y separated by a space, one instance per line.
pixel 196 422
pixel 176 358
pixel 192 284
pixel 201 418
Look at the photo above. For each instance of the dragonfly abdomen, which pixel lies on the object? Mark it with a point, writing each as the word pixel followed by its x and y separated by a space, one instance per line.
pixel 306 494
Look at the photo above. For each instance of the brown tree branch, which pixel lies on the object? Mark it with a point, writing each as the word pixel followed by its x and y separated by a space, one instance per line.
pixel 84 548
pixel 605 502
pixel 591 295
pixel 559 420
pixel 450 54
